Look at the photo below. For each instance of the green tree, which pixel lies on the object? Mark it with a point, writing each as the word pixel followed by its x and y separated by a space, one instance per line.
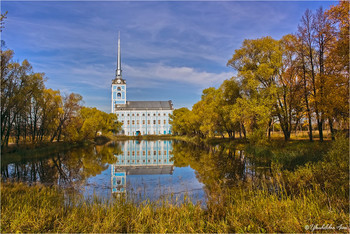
pixel 258 63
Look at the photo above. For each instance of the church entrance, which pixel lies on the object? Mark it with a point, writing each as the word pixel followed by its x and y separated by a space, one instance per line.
pixel 138 133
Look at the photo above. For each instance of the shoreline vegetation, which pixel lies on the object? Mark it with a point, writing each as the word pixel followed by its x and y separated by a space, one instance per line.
pixel 312 193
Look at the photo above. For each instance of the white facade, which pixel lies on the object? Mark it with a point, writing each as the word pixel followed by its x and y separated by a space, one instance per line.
pixel 144 122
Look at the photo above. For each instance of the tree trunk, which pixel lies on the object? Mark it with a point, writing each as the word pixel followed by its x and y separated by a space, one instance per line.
pixel 243 130
pixel 269 129
pixel 306 98
pixel 330 121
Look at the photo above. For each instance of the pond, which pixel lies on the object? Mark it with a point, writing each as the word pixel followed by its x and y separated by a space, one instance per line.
pixel 140 170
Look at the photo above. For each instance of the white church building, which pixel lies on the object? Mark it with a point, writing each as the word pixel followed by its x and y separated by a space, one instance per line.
pixel 138 117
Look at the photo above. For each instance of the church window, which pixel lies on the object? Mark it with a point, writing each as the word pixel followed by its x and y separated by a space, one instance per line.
pixel 164 121
pixel 133 122
pixel 137 114
pixel 154 122
pixel 154 152
pixel 138 122
pixel 149 122
pixel 133 153
pixel 133 115
pixel 143 160
pixel 154 114
pixel 159 121
pixel 159 152
pixel 117 114
pixel 149 160
pixel 143 114
pixel 128 121
pixel 164 114
pixel 119 95
pixel 128 114
pixel 122 114
pixel 148 114
pixel 138 153
pixel 119 89
pixel 143 121
pixel 149 152
pixel 164 152
pixel 143 153
pixel 128 153
pixel 138 161
pixel 158 114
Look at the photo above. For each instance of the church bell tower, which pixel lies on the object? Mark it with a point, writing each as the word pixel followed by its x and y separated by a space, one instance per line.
pixel 118 84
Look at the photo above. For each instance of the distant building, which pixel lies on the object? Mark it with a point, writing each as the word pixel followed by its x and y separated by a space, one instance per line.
pixel 138 117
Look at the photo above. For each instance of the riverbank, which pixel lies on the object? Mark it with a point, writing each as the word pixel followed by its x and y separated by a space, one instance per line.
pixel 42 150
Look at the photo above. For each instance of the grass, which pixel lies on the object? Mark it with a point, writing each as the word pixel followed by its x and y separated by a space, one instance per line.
pixel 43 209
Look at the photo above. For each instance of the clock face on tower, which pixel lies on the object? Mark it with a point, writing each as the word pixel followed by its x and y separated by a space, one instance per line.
pixel 118 81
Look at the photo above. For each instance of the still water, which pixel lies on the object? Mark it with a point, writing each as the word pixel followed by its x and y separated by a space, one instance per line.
pixel 139 170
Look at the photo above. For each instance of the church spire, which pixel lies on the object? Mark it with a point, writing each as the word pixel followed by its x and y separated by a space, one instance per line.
pixel 119 63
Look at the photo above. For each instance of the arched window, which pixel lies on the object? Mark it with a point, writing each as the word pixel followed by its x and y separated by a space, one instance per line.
pixel 119 95
pixel 119 89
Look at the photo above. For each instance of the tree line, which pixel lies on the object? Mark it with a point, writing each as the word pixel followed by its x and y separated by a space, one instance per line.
pixel 32 113
pixel 298 82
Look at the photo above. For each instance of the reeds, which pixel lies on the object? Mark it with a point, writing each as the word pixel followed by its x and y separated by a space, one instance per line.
pixel 47 209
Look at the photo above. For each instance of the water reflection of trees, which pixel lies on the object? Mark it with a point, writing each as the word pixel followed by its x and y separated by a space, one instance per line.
pixel 62 168
pixel 223 165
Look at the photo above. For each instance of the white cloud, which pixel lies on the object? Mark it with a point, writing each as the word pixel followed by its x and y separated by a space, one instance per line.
pixel 159 73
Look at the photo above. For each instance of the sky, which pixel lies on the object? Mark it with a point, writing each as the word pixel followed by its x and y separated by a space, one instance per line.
pixel 170 50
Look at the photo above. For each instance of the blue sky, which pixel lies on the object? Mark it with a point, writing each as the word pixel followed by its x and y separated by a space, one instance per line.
pixel 170 50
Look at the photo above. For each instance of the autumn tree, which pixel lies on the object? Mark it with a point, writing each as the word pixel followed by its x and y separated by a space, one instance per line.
pixel 180 121
pixel 88 122
pixel 68 112
pixel 230 90
pixel 337 66
pixel 258 63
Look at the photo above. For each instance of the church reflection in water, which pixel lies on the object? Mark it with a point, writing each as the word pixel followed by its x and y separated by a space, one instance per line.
pixel 140 158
